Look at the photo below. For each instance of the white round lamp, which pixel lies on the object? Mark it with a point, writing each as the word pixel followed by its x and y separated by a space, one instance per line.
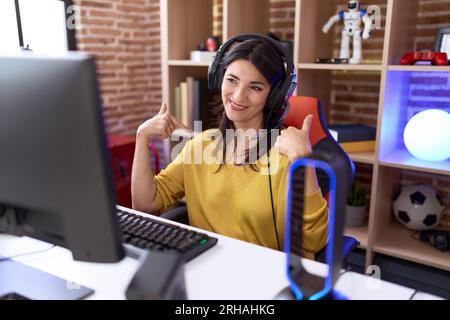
pixel 427 135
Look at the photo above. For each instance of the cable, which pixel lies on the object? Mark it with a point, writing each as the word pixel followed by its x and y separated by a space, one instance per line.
pixel 26 254
pixel 19 23
pixel 271 200
pixel 414 293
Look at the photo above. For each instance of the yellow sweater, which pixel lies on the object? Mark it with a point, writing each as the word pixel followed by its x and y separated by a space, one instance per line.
pixel 235 201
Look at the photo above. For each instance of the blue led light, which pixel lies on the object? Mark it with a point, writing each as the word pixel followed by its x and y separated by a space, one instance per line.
pixel 427 135
pixel 330 232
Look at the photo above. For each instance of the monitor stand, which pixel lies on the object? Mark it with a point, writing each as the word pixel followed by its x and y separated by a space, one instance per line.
pixel 21 282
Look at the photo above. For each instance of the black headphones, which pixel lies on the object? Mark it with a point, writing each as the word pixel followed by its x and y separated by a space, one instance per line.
pixel 277 106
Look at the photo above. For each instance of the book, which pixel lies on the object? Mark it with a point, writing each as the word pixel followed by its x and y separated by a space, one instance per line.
pixel 196 100
pixel 352 132
pixel 190 102
pixel 177 103
pixel 193 103
pixel 184 103
pixel 358 146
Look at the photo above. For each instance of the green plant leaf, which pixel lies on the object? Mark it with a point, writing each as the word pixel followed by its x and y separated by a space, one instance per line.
pixel 357 196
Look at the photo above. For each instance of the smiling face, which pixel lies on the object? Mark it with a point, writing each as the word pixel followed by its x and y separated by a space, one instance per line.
pixel 244 95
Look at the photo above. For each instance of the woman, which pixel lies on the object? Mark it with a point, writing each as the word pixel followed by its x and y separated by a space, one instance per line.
pixel 232 196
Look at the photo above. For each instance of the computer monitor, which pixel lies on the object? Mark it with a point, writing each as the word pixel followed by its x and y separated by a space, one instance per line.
pixel 55 176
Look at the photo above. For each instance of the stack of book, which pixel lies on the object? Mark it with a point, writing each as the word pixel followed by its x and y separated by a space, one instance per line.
pixel 192 103
pixel 354 137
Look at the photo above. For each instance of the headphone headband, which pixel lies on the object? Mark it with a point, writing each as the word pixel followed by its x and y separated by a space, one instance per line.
pixel 276 106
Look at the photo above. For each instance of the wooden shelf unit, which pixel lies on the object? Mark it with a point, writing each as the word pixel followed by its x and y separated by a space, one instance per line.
pixel 402 159
pixel 397 241
pixel 185 23
pixel 363 157
pixel 360 233
pixel 419 68
pixel 188 63
pixel 342 67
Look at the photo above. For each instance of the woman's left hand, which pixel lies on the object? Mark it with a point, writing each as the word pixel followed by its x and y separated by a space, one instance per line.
pixel 294 143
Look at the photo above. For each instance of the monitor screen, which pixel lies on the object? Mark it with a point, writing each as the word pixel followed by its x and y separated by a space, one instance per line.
pixel 55 176
pixel 47 35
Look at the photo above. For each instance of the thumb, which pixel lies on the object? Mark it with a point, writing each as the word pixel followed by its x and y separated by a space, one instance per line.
pixel 163 108
pixel 307 123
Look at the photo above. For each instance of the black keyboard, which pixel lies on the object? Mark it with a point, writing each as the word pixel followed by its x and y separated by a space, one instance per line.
pixel 151 234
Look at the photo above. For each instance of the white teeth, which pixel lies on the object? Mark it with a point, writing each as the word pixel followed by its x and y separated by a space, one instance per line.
pixel 237 107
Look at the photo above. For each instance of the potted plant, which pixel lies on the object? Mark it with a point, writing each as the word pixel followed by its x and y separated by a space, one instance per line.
pixel 355 211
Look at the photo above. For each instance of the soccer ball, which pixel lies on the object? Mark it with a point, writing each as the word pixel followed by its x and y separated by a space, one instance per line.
pixel 418 207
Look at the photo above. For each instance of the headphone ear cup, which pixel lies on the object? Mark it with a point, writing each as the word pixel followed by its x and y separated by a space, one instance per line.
pixel 215 74
pixel 211 80
pixel 271 104
pixel 219 78
pixel 277 103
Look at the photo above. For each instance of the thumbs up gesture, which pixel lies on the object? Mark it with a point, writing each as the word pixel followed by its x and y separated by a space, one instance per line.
pixel 160 126
pixel 294 143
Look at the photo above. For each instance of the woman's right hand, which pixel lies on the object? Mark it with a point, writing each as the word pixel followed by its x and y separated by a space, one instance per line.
pixel 160 126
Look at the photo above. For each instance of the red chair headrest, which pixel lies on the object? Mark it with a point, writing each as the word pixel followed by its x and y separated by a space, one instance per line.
pixel 300 107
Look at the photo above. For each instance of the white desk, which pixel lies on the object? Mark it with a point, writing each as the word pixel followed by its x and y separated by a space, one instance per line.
pixel 232 269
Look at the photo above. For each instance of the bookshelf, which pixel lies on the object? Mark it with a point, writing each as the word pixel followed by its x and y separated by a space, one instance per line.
pixel 360 233
pixel 185 23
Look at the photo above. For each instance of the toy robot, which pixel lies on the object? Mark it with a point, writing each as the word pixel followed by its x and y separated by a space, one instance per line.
pixel 352 19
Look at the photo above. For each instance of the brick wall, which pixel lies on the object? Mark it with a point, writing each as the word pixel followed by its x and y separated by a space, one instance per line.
pixel 124 37
pixel 433 14
pixel 282 18
pixel 430 90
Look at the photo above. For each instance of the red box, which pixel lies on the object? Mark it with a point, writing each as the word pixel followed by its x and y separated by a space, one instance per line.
pixel 121 151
